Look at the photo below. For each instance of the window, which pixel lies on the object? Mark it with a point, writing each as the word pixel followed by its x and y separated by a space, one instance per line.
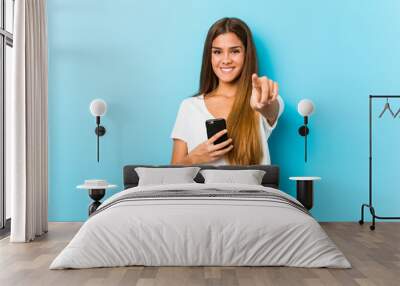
pixel 6 44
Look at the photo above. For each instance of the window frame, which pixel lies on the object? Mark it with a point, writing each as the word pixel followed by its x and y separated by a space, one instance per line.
pixel 6 39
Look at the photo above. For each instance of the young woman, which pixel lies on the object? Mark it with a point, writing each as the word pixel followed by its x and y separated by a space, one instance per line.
pixel 230 88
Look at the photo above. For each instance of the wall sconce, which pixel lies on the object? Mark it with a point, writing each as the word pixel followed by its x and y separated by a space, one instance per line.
pixel 305 108
pixel 98 108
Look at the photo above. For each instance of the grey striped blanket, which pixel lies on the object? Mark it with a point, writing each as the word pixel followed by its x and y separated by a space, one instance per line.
pixel 205 194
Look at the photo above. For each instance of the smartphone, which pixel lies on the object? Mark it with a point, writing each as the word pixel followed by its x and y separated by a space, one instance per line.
pixel 214 126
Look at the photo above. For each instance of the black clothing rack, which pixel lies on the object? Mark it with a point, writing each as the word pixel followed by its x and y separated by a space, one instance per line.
pixel 370 206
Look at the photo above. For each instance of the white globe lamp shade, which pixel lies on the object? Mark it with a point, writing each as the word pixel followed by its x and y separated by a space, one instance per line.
pixel 98 107
pixel 305 107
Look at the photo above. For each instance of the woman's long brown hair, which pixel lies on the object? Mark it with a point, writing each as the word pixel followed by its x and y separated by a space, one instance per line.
pixel 243 122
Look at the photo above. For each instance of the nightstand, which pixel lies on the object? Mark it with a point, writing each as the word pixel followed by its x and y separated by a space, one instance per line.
pixel 97 190
pixel 304 190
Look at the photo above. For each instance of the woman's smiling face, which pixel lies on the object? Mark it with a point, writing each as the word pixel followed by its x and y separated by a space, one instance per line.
pixel 227 57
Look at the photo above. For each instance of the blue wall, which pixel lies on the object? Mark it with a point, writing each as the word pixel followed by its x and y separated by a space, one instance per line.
pixel 143 58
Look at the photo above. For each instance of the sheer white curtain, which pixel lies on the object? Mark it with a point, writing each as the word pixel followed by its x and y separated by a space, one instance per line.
pixel 27 123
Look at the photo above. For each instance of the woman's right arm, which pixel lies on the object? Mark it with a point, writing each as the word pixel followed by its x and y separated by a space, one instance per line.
pixel 205 152
pixel 180 153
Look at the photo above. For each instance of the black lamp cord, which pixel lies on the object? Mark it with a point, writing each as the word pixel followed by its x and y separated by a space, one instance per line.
pixel 97 132
pixel 305 148
pixel 305 138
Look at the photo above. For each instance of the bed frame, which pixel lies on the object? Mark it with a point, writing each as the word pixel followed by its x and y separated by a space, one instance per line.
pixel 270 179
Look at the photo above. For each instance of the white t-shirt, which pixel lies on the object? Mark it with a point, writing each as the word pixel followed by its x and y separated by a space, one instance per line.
pixel 190 126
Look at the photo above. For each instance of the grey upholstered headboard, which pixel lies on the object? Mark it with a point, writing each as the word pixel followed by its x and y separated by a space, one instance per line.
pixel 270 179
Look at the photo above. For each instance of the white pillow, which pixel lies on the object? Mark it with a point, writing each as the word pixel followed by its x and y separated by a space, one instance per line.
pixel 165 176
pixel 248 177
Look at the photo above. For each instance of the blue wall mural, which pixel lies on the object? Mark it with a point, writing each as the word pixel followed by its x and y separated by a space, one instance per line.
pixel 143 58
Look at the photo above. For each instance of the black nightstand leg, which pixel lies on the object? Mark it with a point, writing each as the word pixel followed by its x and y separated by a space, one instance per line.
pixel 93 207
pixel 96 195
pixel 305 193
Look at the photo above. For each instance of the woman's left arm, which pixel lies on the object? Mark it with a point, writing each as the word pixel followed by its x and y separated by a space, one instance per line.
pixel 264 98
pixel 271 112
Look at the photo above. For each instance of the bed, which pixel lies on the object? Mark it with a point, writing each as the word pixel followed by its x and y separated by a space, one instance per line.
pixel 201 224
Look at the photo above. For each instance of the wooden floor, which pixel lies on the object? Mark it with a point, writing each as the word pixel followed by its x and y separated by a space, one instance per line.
pixel 374 255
